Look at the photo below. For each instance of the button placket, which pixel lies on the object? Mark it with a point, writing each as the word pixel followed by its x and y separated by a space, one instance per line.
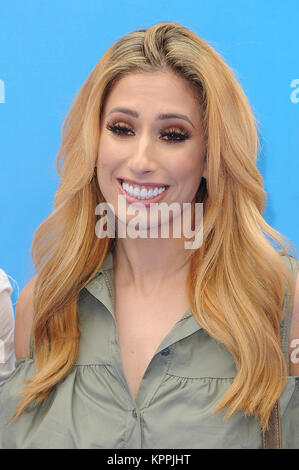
pixel 153 377
pixel 137 417
pixel 165 352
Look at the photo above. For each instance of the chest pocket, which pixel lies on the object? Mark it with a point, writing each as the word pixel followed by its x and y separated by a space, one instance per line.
pixel 200 356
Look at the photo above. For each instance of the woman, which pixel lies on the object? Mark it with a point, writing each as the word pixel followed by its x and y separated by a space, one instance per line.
pixel 133 337
pixel 7 353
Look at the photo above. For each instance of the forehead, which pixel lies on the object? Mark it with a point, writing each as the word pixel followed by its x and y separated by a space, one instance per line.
pixel 157 91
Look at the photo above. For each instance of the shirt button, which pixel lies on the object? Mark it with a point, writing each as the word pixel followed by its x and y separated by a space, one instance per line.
pixel 134 413
pixel 165 352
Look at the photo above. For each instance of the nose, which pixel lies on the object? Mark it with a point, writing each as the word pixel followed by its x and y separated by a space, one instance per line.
pixel 141 160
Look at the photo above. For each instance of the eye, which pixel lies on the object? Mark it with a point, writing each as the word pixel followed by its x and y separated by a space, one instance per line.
pixel 173 136
pixel 117 129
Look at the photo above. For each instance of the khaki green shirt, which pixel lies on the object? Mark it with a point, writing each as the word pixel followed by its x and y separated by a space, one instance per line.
pixel 93 408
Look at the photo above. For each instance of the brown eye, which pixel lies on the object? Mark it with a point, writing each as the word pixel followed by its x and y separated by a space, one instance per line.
pixel 117 129
pixel 174 136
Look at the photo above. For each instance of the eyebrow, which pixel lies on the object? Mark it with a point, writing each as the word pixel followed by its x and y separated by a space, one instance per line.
pixel 159 117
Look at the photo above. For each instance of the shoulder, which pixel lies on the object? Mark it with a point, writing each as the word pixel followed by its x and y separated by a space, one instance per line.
pixel 23 319
pixel 5 285
pixel 293 340
pixel 6 307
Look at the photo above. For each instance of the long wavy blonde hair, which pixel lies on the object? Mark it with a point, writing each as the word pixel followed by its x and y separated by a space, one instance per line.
pixel 237 279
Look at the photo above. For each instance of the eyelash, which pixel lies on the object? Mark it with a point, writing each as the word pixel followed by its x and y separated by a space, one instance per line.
pixel 121 131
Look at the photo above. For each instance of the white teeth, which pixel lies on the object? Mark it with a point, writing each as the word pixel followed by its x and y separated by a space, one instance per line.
pixel 143 193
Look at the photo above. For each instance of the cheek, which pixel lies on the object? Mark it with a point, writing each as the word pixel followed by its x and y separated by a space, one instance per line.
pixel 188 175
pixel 187 163
pixel 103 158
pixel 109 156
pixel 189 170
pixel 105 151
pixel 194 165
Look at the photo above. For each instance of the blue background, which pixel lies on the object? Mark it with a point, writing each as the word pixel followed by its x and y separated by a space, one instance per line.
pixel 47 50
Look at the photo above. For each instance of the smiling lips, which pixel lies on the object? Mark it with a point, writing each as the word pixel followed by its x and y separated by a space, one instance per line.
pixel 151 192
pixel 142 185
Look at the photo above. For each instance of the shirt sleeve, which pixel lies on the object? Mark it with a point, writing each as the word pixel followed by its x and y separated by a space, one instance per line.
pixel 7 353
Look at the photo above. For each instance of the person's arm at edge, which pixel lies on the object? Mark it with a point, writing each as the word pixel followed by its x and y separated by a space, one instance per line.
pixel 23 320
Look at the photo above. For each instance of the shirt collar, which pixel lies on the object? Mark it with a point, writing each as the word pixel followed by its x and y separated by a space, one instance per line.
pixel 102 287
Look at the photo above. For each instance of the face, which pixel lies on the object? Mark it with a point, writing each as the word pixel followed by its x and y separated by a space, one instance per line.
pixel 145 143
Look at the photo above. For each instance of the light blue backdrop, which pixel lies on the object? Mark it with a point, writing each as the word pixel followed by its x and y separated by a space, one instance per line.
pixel 47 50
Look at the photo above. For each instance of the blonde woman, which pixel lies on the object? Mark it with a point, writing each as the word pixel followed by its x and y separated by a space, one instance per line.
pixel 7 352
pixel 126 342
